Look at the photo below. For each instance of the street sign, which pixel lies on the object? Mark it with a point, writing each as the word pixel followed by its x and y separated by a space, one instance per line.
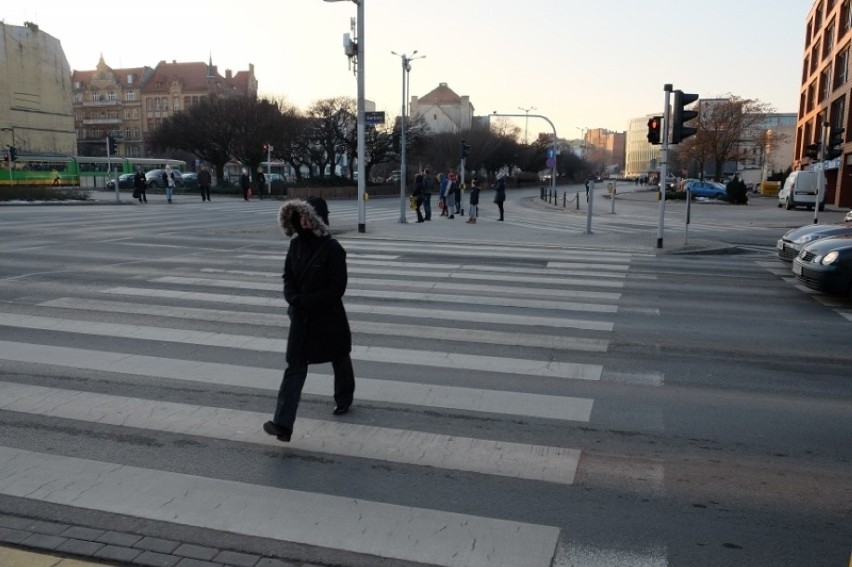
pixel 551 162
pixel 373 118
pixel 551 153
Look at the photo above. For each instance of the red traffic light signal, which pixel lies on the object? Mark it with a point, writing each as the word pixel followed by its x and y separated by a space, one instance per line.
pixel 654 126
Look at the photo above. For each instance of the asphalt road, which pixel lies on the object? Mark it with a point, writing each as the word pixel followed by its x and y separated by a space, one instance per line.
pixel 567 398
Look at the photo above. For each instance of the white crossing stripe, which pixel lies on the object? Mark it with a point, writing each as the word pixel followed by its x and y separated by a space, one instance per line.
pixel 367 327
pixel 413 534
pixel 369 389
pixel 515 460
pixel 457 361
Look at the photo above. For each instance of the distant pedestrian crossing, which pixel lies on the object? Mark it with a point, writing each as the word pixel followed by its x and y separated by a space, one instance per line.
pixel 452 357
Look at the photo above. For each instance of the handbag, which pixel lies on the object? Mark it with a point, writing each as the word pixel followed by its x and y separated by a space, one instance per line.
pixel 412 202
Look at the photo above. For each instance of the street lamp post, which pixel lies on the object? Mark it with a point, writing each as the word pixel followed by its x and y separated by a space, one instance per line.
pixel 362 137
pixel 406 70
pixel 526 120
pixel 555 150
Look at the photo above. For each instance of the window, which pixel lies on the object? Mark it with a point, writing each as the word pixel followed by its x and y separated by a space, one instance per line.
pixel 96 97
pixel 845 17
pixel 828 41
pixel 838 109
pixel 175 103
pixel 110 96
pixel 841 67
pixel 811 96
pixel 127 114
pixel 135 113
pixel 78 97
pixel 825 84
pixel 130 96
pixel 814 56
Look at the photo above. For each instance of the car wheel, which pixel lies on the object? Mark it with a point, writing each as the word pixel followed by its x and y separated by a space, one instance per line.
pixel 822 207
pixel 788 204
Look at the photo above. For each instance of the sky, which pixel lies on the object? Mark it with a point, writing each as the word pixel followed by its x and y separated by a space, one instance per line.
pixel 581 63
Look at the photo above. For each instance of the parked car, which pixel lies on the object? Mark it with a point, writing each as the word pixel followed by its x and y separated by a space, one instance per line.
pixel 125 181
pixel 800 190
pixel 794 240
pixel 848 217
pixel 190 179
pixel 826 265
pixel 706 189
pixel 154 178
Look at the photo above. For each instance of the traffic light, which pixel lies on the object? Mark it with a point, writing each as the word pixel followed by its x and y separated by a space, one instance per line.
pixel 835 143
pixel 812 151
pixel 13 153
pixel 113 145
pixel 681 115
pixel 654 124
pixel 465 149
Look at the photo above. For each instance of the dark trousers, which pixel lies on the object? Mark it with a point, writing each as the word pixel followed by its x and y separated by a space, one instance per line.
pixel 290 391
pixel 427 206
pixel 205 192
pixel 500 206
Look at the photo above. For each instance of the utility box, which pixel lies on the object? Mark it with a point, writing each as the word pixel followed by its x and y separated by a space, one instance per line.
pixel 770 187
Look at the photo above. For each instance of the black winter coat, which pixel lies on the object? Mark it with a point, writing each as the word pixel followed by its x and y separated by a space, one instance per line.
pixel 315 280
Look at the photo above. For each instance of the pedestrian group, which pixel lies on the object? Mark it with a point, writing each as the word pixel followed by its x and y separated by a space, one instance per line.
pixel 450 195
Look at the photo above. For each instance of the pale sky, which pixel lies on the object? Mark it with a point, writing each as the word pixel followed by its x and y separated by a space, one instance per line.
pixel 581 63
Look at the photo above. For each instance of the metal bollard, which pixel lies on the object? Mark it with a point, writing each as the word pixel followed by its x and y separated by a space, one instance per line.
pixel 577 195
pixel 564 199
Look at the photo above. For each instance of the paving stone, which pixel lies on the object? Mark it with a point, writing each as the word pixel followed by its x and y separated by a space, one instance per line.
pixel 79 532
pixel 43 541
pixel 236 559
pixel 154 559
pixel 15 522
pixel 157 544
pixel 48 528
pixel 270 562
pixel 80 547
pixel 190 562
pixel 196 551
pixel 10 535
pixel 119 538
pixel 118 553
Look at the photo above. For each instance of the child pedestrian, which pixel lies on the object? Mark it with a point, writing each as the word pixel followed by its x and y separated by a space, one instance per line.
pixel 473 209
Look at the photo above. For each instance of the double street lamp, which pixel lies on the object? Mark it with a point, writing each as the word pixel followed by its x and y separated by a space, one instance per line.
pixel 362 142
pixel 406 70
pixel 526 120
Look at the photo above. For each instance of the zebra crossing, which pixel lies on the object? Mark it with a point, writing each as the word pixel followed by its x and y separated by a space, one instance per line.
pixel 457 342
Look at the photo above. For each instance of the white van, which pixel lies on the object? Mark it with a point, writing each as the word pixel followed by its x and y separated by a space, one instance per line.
pixel 800 190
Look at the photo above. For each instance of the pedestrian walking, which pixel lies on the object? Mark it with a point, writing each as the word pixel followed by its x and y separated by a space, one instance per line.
pixel 473 207
pixel 419 185
pixel 428 186
pixel 443 187
pixel 140 186
pixel 261 183
pixel 245 184
pixel 500 193
pixel 314 283
pixel 454 195
pixel 204 182
pixel 169 182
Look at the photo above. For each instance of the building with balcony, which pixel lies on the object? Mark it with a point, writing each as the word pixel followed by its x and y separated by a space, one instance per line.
pixel 131 103
pixel 35 92
pixel 824 94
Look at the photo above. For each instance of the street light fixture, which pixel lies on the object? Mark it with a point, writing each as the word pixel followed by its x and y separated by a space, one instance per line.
pixel 406 70
pixel 555 151
pixel 526 120
pixel 362 141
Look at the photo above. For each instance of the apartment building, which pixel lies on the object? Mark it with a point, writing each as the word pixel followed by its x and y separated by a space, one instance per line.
pixel 131 103
pixel 824 93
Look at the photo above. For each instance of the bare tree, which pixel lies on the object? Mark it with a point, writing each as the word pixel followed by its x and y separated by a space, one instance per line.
pixel 725 126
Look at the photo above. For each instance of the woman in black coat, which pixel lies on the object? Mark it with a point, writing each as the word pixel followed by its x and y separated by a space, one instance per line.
pixel 500 194
pixel 314 283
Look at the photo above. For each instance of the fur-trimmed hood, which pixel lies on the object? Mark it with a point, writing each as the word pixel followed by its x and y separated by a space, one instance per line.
pixel 292 210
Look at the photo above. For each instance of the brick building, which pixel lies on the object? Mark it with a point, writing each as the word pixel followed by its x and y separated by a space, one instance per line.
pixel 824 93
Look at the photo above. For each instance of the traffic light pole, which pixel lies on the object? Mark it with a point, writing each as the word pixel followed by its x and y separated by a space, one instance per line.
pixel 821 176
pixel 109 168
pixel 664 158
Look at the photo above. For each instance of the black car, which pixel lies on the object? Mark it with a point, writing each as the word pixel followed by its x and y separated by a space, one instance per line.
pixel 190 179
pixel 125 181
pixel 826 265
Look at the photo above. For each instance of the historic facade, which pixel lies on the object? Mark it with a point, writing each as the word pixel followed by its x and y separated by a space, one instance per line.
pixel 130 103
pixel 35 92
pixel 443 110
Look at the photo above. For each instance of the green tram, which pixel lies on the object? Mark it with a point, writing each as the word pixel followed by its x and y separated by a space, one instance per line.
pixel 77 171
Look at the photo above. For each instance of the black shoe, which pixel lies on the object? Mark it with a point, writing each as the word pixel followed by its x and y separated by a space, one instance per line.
pixel 279 432
pixel 340 410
